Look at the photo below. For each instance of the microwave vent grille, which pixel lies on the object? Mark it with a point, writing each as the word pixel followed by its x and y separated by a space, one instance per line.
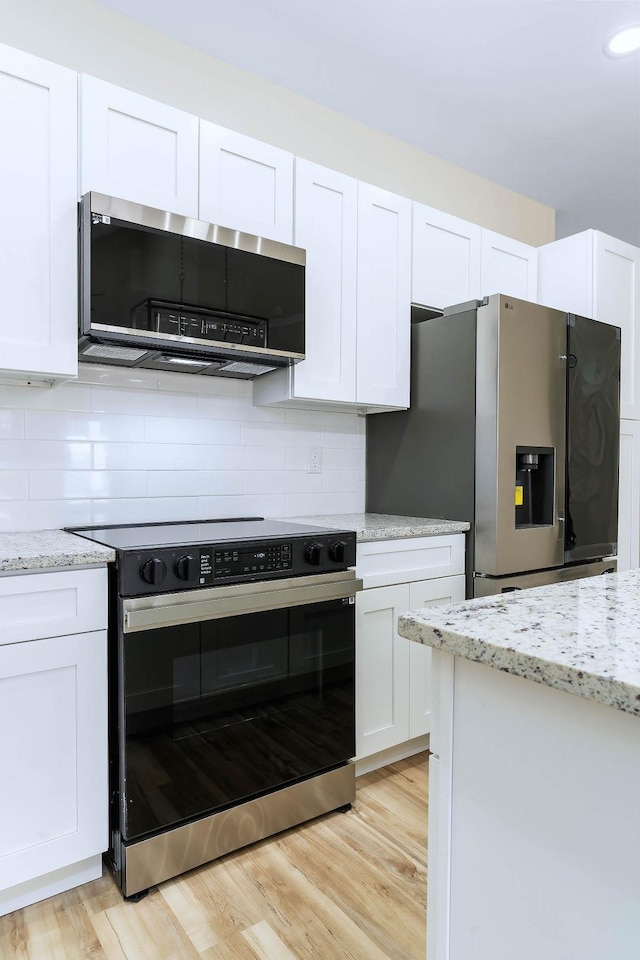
pixel 255 369
pixel 114 353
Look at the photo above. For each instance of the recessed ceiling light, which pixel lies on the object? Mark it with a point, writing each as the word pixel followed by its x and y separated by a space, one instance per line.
pixel 623 42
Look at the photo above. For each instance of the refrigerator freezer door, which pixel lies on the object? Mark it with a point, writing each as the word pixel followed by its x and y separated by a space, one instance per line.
pixel 520 436
pixel 490 586
pixel 593 438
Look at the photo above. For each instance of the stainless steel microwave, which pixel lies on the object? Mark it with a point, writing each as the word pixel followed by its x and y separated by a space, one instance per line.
pixel 168 292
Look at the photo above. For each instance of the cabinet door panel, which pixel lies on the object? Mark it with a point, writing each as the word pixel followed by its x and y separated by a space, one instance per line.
pixel 508 266
pixel 325 224
pixel 426 593
pixel 53 739
pixel 121 131
pixel 245 184
pixel 446 258
pixel 382 670
pixel 383 297
pixel 616 288
pixel 629 496
pixel 38 224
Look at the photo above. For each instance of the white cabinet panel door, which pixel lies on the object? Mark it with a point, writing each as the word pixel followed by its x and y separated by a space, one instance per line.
pixel 325 225
pixel 383 297
pixel 565 270
pixel 426 593
pixel 629 496
pixel 509 267
pixel 38 218
pixel 446 258
pixel 382 670
pixel 138 149
pixel 616 299
pixel 53 751
pixel 245 184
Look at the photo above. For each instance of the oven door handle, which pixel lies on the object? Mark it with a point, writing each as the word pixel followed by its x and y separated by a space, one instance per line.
pixel 172 610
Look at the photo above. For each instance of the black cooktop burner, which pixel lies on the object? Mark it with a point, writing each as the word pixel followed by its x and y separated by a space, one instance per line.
pixel 232 530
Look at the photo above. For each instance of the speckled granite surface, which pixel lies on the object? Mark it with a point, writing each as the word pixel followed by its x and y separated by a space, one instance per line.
pixel 582 637
pixel 382 526
pixel 43 549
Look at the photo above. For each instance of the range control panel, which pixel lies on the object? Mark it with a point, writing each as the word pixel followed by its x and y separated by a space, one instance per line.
pixel 165 569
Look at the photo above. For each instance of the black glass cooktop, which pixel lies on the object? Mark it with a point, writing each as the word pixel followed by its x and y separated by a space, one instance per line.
pixel 139 536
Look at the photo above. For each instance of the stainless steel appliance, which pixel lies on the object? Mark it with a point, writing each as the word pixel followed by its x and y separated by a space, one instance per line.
pixel 172 293
pixel 514 426
pixel 232 709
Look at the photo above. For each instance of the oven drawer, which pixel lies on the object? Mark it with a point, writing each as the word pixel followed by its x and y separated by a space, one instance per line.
pixel 38 605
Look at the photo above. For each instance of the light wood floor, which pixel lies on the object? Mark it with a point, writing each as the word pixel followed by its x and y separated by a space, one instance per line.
pixel 348 885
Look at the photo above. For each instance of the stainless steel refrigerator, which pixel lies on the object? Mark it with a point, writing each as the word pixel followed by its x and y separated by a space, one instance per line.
pixel 514 425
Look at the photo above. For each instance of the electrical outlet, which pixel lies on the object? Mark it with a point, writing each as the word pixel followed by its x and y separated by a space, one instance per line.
pixel 314 459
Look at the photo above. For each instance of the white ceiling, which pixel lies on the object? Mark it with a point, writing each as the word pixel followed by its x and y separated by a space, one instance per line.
pixel 518 92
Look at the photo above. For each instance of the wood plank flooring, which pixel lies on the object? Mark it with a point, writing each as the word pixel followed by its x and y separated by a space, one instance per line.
pixel 347 885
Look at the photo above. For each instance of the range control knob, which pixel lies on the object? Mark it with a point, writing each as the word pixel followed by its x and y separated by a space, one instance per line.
pixel 187 568
pixel 313 553
pixel 338 551
pixel 153 571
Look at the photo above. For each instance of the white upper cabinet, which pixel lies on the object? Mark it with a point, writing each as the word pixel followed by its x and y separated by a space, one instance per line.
pixel 597 276
pixel 446 258
pixel 384 297
pixel 508 266
pixel 138 149
pixel 358 289
pixel 325 225
pixel 245 184
pixel 38 218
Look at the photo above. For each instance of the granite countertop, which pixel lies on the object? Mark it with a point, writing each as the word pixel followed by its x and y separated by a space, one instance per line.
pixel 44 549
pixel 582 637
pixel 383 526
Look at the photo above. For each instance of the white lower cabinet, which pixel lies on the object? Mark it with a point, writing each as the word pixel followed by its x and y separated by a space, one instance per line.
pixel 53 734
pixel 392 673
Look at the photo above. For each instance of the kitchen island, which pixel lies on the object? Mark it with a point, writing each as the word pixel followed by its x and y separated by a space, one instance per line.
pixel 534 813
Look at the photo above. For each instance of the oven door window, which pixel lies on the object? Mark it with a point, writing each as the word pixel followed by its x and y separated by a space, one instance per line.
pixel 224 710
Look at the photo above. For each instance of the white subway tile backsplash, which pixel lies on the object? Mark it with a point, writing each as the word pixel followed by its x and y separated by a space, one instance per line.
pixel 259 505
pixel 339 481
pixel 62 396
pixel 145 456
pixel 195 483
pixel 286 481
pixel 89 484
pixel 44 454
pixel 129 446
pixel 145 510
pixel 46 425
pixel 11 424
pixel 170 430
pixel 236 408
pixel 14 485
pixel 150 403
pixel 220 458
pixel 280 434
pixel 340 459
pixel 18 515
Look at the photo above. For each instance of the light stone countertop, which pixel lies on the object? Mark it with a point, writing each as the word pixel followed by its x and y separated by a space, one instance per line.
pixel 582 637
pixel 45 549
pixel 382 526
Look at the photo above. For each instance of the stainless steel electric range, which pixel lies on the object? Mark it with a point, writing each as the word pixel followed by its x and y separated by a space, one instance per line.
pixel 232 714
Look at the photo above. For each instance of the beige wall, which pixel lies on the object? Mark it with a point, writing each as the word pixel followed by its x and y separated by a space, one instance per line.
pixel 91 39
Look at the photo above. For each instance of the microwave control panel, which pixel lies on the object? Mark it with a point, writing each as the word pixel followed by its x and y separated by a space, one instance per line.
pixel 161 316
